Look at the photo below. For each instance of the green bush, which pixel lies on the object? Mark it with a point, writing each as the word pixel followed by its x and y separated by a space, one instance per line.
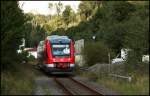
pixel 10 61
pixel 95 52
pixel 31 58
pixel 23 56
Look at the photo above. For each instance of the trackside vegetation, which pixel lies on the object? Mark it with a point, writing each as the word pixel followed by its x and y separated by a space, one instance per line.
pixel 114 24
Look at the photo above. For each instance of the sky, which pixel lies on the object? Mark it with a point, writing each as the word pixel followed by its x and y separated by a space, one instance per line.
pixel 42 6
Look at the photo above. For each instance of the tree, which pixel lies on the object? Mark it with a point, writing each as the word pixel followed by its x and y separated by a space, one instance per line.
pixel 98 48
pixel 12 25
pixel 50 6
pixel 86 9
pixel 35 30
pixel 138 39
pixel 67 14
pixel 73 17
pixel 121 10
pixel 59 7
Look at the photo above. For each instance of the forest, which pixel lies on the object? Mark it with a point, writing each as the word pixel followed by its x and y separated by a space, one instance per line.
pixel 114 24
pixel 117 24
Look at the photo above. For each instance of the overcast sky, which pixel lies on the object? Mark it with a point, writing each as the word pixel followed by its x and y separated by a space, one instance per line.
pixel 42 6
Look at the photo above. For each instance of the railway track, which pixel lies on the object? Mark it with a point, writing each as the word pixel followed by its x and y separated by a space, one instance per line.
pixel 75 87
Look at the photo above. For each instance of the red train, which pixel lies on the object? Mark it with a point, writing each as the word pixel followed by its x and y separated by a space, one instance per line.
pixel 56 54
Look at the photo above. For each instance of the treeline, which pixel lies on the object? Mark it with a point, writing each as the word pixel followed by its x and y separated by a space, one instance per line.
pixel 34 31
pixel 16 78
pixel 12 25
pixel 16 25
pixel 117 24
pixel 40 26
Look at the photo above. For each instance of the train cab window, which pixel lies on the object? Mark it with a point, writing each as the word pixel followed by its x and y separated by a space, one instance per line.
pixel 61 50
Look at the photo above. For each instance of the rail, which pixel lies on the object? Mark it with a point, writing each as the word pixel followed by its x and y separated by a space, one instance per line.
pixel 63 87
pixel 92 90
pixel 77 83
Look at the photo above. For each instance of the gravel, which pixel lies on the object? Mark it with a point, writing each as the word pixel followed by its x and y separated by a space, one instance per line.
pixel 74 87
pixel 46 86
pixel 100 88
pixel 105 68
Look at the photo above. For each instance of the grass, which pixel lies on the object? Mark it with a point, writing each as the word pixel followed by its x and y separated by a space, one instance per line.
pixel 18 82
pixel 13 85
pixel 138 86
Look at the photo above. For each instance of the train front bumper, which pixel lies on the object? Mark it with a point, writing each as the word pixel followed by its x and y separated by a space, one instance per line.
pixel 53 68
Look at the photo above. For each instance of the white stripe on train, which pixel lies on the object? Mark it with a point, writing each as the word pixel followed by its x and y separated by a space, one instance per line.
pixel 52 65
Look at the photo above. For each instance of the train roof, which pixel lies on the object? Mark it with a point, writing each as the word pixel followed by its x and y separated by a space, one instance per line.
pixel 57 38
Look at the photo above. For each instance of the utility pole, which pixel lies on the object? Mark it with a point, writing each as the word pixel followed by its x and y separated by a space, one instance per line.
pixel 109 62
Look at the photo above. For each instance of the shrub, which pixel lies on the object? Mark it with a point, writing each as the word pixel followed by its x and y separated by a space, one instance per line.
pixel 31 58
pixel 96 52
pixel 19 80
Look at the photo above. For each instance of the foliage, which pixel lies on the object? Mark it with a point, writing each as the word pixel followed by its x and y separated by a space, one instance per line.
pixel 137 37
pixel 139 87
pixel 34 31
pixel 86 9
pixel 67 14
pixel 11 31
pixel 50 5
pixel 59 7
pixel 11 85
pixel 31 58
pixel 119 24
pixel 121 10
pixel 95 52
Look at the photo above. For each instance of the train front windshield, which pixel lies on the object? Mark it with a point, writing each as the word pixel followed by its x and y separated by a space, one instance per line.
pixel 61 50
